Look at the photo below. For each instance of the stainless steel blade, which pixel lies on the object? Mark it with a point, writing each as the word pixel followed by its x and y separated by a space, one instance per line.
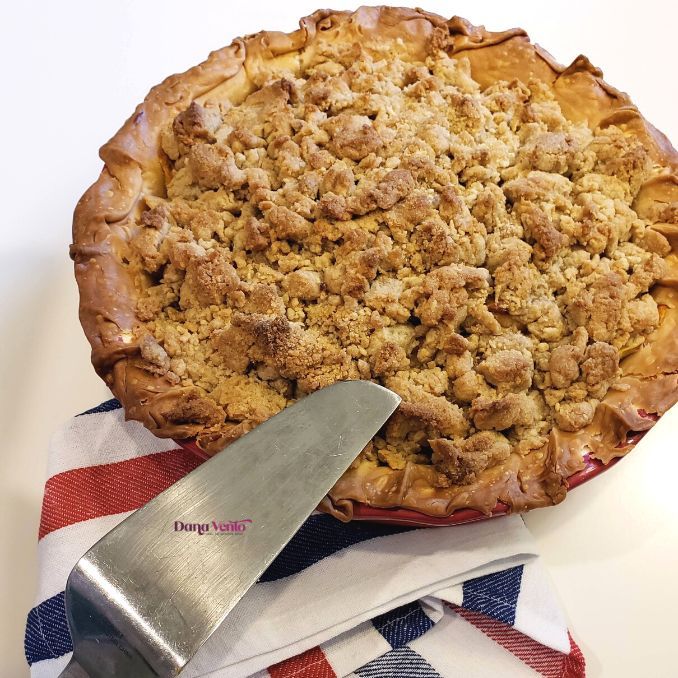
pixel 144 599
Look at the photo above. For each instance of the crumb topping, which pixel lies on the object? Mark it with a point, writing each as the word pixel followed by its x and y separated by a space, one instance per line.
pixel 375 218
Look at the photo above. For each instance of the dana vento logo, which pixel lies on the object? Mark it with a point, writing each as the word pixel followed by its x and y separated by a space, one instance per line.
pixel 214 526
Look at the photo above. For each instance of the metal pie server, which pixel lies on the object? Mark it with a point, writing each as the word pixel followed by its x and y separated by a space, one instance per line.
pixel 144 599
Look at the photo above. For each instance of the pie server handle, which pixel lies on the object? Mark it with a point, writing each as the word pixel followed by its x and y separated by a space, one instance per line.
pixel 144 599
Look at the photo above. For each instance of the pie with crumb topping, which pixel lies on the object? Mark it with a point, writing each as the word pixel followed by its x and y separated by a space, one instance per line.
pixel 387 195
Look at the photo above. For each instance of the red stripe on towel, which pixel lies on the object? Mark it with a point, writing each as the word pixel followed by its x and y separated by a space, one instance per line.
pixel 309 664
pixel 548 662
pixel 95 491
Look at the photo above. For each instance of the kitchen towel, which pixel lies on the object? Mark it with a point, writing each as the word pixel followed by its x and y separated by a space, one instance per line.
pixel 357 599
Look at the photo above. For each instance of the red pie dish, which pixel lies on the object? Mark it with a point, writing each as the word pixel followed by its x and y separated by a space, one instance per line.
pixel 592 468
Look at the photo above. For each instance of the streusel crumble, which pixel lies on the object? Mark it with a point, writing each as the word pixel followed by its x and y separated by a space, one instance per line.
pixel 381 218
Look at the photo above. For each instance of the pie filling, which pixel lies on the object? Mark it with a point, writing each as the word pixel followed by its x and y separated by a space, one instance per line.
pixel 370 217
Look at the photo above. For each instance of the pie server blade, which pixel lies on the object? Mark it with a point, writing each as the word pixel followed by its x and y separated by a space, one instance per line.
pixel 144 599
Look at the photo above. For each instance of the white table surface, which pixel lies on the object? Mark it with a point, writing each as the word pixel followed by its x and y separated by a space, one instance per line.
pixel 73 71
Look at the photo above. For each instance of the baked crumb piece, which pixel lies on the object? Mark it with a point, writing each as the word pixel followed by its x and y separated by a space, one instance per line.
pixel 156 359
pixel 192 408
pixel 304 285
pixel 254 236
pixel 601 362
pixel 353 136
pixel 387 219
pixel 211 277
pixel 196 123
pixel 462 463
pixel 510 370
pixel 572 416
pixel 212 166
pixel 513 409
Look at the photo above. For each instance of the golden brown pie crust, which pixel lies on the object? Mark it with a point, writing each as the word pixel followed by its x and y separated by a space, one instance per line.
pixel 108 217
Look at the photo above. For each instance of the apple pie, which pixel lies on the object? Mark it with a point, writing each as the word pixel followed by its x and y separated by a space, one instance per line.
pixel 390 196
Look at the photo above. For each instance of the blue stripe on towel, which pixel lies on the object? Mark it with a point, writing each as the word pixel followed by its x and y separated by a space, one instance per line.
pixel 402 625
pixel 47 635
pixel 398 663
pixel 321 536
pixel 495 595
pixel 107 406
